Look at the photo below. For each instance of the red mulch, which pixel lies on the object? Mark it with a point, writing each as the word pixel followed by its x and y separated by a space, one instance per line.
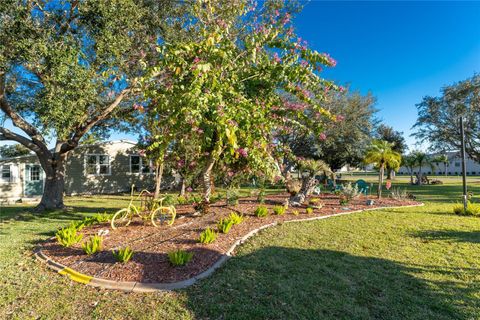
pixel 150 245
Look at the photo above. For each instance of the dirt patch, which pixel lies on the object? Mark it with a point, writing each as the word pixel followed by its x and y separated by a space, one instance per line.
pixel 150 244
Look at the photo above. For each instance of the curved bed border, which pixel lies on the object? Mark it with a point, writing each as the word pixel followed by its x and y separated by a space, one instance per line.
pixel 130 286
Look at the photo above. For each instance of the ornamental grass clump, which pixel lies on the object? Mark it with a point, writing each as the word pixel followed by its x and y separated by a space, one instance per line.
pixel 224 225
pixel 279 210
pixel 473 209
pixel 68 236
pixel 180 257
pixel 123 255
pixel 309 210
pixel 93 245
pixel 235 218
pixel 207 236
pixel 261 211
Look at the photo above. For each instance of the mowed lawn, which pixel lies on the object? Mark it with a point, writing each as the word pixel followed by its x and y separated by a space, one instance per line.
pixel 410 263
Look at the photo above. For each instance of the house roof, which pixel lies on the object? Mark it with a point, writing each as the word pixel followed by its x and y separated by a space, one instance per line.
pixel 80 146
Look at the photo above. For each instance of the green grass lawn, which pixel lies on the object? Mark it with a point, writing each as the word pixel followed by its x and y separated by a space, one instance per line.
pixel 411 263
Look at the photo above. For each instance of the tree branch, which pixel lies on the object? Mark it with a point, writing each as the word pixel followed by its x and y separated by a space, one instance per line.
pixel 82 130
pixel 18 120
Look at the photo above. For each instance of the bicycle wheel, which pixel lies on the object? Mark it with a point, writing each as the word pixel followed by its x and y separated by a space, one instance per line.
pixel 163 215
pixel 121 218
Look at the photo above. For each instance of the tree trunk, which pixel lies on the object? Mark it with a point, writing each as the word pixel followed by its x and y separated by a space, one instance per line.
pixel 182 187
pixel 420 176
pixel 206 180
pixel 308 184
pixel 380 181
pixel 445 169
pixel 158 179
pixel 411 177
pixel 52 198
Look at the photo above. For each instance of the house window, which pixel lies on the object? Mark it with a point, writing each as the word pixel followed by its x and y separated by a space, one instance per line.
pixel 35 173
pixel 98 164
pixel 139 165
pixel 6 173
pixel 457 164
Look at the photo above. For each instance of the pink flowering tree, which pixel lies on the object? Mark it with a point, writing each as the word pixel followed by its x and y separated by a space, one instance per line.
pixel 226 84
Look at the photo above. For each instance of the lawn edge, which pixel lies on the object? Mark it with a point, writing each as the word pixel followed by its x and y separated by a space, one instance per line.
pixel 129 286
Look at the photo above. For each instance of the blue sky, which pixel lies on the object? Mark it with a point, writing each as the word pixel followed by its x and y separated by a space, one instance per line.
pixel 398 50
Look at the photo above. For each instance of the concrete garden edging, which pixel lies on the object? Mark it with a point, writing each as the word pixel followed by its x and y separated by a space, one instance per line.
pixel 130 286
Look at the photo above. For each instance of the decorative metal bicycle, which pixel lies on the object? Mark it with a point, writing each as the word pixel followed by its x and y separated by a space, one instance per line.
pixel 149 209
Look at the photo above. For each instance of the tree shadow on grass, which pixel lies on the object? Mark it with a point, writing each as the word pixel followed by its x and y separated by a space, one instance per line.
pixel 288 283
pixel 449 235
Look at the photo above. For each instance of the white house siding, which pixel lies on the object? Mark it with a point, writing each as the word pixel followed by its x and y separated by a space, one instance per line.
pixel 454 167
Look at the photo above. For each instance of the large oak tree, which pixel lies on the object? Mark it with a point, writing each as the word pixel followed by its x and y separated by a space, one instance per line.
pixel 68 68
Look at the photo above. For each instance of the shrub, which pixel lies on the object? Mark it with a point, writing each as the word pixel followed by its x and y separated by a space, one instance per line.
pixel 232 196
pixel 261 211
pixel 235 218
pixel 215 197
pixel 93 245
pixel 399 194
pixel 279 210
pixel 224 225
pixel 68 236
pixel 351 191
pixel 343 201
pixel 309 210
pixel 180 257
pixel 182 200
pixel 123 254
pixel 207 236
pixel 436 181
pixel 169 200
pixel 473 209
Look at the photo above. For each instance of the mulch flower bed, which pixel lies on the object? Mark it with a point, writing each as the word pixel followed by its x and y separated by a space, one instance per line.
pixel 150 262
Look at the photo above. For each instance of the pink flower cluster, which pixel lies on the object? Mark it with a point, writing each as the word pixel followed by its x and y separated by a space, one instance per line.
pixel 242 152
pixel 322 136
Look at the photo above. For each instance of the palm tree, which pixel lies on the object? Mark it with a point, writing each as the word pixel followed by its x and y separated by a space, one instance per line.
pixel 410 162
pixel 381 155
pixel 423 159
pixel 442 159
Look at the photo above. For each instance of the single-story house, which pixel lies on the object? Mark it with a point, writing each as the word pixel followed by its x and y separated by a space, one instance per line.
pixel 101 168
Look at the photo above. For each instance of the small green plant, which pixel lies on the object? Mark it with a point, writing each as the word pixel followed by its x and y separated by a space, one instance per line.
pixel 315 203
pixel 473 209
pixel 93 245
pixel 180 257
pixel 169 200
pixel 68 236
pixel 235 218
pixel 279 210
pixel 296 212
pixel 343 201
pixel 182 200
pixel 207 236
pixel 88 221
pixel 261 211
pixel 309 210
pixel 224 225
pixel 123 254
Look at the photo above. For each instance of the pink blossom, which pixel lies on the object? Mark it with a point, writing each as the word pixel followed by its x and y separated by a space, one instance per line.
pixel 340 117
pixel 189 189
pixel 304 63
pixel 230 173
pixel 180 163
pixel 242 152
pixel 341 89
pixel 141 153
pixel 277 58
pixel 196 60
pixel 322 136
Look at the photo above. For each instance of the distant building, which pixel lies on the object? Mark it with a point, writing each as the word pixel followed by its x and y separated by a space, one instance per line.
pixel 454 167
